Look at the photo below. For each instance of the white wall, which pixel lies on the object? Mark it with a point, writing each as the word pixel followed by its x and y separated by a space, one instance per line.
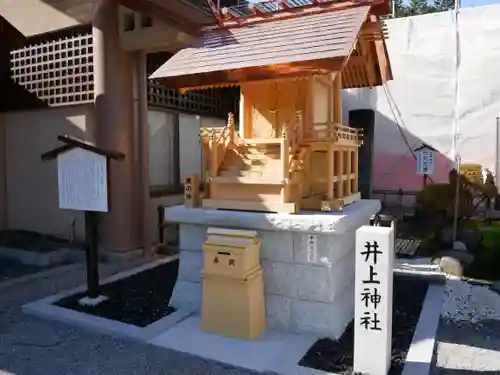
pixel 190 149
pixel 189 145
pixel 422 52
pixel 32 196
pixel 161 149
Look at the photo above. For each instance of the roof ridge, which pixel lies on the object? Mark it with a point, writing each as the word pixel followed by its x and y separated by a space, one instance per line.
pixel 276 10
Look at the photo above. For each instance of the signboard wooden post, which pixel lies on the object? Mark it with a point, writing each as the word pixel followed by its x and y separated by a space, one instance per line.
pixel 426 160
pixel 82 173
pixel 373 299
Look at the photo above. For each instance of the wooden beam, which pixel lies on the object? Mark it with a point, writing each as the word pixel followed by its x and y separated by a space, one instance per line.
pixel 330 184
pixel 337 97
pixel 348 172
pixel 248 74
pixel 366 52
pixel 355 168
pixel 382 56
pixel 340 172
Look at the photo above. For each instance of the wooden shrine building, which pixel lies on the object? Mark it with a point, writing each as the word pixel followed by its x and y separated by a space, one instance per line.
pixel 291 59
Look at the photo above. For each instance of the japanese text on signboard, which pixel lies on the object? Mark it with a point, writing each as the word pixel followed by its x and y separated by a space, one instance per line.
pixel 370 294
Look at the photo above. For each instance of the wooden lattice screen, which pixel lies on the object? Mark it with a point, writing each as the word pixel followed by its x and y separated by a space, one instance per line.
pixel 209 102
pixel 59 71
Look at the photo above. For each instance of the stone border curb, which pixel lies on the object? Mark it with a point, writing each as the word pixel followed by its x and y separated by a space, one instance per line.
pixel 45 308
pixel 40 275
pixel 40 259
pixel 419 357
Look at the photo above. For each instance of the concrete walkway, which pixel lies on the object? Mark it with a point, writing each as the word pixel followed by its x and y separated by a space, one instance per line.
pixel 468 349
pixel 31 346
pixel 469 331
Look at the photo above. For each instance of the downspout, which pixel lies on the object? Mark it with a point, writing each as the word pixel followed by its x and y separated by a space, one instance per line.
pixel 456 156
pixel 455 128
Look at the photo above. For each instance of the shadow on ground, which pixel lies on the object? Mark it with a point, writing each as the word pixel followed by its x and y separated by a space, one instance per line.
pixel 444 371
pixel 482 335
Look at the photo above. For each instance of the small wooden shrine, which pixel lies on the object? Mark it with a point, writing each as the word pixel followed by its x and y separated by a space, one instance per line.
pixel 288 150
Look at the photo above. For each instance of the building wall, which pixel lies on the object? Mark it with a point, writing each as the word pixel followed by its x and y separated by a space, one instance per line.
pixel 419 105
pixel 30 185
pixel 32 197
pixel 42 16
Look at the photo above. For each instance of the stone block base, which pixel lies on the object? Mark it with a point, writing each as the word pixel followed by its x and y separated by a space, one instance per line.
pixel 308 289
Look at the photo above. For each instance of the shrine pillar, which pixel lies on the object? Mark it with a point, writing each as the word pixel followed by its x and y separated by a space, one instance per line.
pixel 120 229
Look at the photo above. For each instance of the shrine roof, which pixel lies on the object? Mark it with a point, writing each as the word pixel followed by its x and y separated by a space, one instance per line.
pixel 316 41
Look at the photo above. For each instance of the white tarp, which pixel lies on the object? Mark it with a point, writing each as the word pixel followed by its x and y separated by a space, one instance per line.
pixel 424 96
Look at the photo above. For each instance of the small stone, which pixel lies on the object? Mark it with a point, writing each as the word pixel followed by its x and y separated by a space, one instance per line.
pixel 464 257
pixel 451 266
pixel 459 246
pixel 87 301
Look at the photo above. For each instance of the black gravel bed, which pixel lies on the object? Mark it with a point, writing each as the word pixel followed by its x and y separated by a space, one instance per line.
pixel 139 299
pixel 11 269
pixel 337 355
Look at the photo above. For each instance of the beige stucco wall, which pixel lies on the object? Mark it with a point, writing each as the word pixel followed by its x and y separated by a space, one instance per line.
pixel 30 185
pixel 33 17
pixel 32 198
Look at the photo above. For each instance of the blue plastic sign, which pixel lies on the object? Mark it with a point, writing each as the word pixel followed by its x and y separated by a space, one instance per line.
pixel 425 161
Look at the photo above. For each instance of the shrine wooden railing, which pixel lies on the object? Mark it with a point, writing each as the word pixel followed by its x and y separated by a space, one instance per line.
pixel 329 131
pixel 296 136
pixel 219 144
pixel 346 133
pixel 290 153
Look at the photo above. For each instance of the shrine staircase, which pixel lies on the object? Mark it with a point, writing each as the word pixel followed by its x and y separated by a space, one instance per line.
pixel 252 174
pixel 280 174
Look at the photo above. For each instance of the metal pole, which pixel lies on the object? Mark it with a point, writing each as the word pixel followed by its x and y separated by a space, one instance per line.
pixel 92 254
pixel 497 154
pixel 457 198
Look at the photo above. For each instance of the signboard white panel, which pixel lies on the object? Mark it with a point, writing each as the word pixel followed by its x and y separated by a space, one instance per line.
pixel 82 181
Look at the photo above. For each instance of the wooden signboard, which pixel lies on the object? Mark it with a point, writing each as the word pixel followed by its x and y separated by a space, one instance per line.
pixel 82 181
pixel 82 174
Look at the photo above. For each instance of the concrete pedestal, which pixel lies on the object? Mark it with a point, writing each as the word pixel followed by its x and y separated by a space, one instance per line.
pixel 308 289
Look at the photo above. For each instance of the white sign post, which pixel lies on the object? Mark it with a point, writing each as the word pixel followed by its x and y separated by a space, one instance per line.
pixel 373 300
pixel 425 160
pixel 82 177
pixel 82 180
